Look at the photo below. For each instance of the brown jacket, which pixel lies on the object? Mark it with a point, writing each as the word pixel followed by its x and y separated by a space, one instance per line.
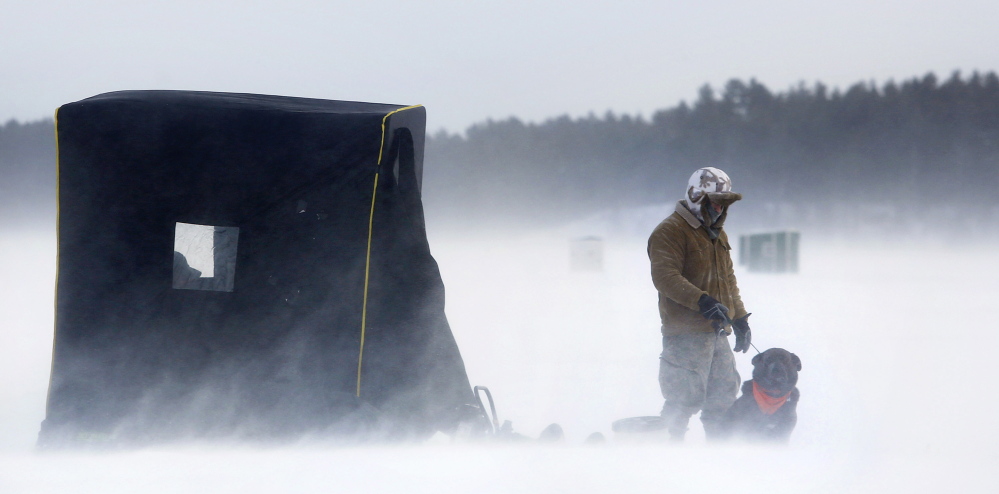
pixel 687 263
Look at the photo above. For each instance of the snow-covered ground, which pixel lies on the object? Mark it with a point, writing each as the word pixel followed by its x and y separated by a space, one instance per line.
pixel 898 344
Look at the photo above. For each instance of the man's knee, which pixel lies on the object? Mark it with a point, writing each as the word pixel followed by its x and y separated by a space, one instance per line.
pixel 686 387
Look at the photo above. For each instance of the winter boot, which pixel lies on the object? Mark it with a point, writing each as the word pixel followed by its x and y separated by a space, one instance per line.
pixel 713 425
pixel 676 419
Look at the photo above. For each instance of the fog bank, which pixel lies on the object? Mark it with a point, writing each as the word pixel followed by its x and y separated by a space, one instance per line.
pixel 895 383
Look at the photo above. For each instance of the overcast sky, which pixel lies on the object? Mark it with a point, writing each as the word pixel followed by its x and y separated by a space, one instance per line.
pixel 472 60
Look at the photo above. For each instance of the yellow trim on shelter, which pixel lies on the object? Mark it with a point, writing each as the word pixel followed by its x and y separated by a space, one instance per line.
pixel 55 300
pixel 367 260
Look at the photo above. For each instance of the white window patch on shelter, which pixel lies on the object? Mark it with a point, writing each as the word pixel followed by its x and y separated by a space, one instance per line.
pixel 204 257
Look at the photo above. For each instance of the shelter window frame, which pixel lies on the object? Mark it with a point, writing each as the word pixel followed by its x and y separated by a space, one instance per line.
pixel 204 257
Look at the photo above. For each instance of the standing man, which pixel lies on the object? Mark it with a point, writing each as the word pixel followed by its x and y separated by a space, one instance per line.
pixel 698 296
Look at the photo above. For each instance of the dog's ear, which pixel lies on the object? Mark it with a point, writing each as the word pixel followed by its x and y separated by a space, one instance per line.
pixel 796 361
pixel 757 358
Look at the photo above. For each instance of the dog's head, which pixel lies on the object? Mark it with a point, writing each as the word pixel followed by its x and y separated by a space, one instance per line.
pixel 776 371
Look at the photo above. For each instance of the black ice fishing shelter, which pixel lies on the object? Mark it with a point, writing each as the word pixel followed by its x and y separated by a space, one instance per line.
pixel 245 266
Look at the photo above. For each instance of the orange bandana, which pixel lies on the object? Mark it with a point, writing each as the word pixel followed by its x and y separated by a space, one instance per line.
pixel 767 403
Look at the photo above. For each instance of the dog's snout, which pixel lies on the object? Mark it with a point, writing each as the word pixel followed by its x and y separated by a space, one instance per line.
pixel 777 372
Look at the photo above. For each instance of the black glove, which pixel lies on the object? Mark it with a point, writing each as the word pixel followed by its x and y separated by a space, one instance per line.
pixel 713 311
pixel 743 336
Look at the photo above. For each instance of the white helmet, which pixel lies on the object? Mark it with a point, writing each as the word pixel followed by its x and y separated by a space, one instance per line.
pixel 711 183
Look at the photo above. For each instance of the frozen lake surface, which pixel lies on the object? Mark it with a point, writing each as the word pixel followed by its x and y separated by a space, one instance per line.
pixel 898 383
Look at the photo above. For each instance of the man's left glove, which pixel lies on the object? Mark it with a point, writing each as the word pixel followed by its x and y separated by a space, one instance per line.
pixel 743 336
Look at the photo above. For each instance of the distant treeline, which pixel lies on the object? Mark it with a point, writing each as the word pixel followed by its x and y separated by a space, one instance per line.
pixel 909 146
pixel 27 172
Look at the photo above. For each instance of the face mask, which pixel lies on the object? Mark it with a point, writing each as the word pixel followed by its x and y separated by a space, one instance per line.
pixel 712 214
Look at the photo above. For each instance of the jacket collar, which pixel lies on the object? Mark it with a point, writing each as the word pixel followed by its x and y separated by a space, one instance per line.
pixel 687 215
pixel 695 223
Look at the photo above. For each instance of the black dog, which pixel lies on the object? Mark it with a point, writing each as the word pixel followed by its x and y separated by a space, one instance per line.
pixel 767 409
